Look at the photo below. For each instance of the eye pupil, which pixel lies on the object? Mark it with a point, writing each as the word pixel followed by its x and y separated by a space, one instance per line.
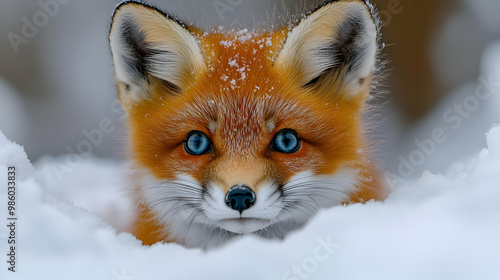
pixel 197 143
pixel 286 141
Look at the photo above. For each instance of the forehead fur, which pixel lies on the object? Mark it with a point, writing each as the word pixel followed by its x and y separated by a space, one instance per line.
pixel 241 99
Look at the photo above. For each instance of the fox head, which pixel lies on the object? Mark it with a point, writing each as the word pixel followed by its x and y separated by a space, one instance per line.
pixel 245 132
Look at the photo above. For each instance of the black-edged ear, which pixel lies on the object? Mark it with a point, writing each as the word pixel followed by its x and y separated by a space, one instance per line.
pixel 148 44
pixel 336 44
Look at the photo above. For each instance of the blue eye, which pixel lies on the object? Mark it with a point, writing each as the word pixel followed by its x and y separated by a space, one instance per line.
pixel 197 143
pixel 286 141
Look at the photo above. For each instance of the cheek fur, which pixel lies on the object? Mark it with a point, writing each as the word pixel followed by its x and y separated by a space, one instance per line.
pixel 178 161
pixel 303 160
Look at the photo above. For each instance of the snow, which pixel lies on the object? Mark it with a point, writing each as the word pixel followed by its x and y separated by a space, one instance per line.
pixel 438 227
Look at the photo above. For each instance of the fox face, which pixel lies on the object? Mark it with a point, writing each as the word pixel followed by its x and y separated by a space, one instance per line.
pixel 244 132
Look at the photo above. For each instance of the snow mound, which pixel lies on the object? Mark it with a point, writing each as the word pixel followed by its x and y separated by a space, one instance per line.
pixel 439 227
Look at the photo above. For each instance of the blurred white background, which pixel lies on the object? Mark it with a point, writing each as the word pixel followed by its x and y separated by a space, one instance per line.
pixel 58 84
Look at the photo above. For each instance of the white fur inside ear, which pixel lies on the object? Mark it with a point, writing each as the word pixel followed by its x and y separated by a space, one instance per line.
pixel 121 52
pixel 340 35
pixel 145 42
pixel 365 42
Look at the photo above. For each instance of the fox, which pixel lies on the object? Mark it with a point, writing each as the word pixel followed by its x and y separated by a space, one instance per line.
pixel 245 132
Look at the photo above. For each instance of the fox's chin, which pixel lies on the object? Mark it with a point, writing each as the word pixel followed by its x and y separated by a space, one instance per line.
pixel 244 225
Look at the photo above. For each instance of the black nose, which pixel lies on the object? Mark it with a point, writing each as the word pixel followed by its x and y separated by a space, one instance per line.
pixel 240 198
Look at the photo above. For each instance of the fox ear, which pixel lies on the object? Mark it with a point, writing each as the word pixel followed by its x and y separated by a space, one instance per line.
pixel 147 46
pixel 335 45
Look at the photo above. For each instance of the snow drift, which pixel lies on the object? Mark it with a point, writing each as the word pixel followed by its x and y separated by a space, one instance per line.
pixel 439 227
